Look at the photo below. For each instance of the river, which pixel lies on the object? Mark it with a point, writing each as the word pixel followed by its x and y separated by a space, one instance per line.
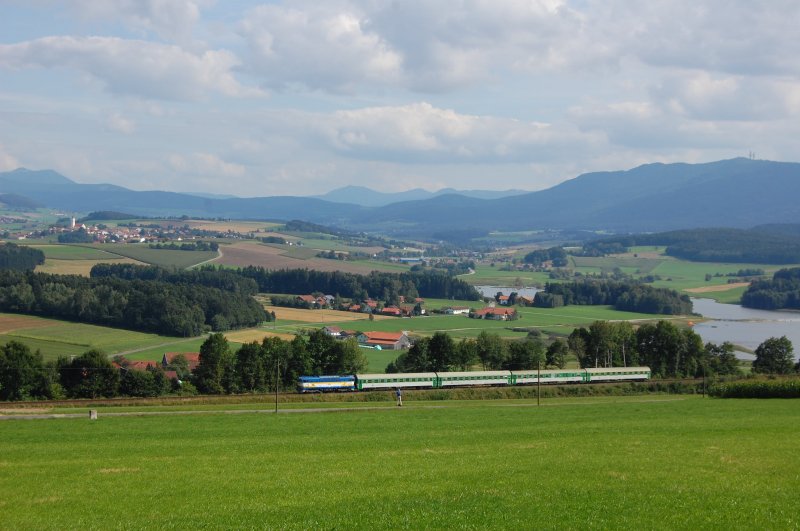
pixel 727 322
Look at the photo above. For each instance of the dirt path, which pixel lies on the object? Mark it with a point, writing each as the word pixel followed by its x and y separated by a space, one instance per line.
pixel 219 255
pixel 721 287
pixel 150 347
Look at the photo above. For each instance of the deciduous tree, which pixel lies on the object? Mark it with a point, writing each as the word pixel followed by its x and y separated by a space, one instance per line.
pixel 774 356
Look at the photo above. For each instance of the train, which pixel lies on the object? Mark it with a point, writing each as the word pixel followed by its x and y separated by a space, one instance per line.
pixel 441 380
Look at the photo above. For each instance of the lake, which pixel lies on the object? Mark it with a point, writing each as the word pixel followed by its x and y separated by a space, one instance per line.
pixel 745 326
pixel 728 322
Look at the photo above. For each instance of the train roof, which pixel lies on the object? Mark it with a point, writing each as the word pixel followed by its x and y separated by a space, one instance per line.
pixel 330 378
pixel 475 373
pixel 374 376
pixel 618 369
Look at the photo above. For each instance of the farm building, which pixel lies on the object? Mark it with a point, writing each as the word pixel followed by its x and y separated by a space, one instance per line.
pixel 385 340
pixel 456 310
pixel 141 365
pixel 333 331
pixel 497 314
pixel 192 359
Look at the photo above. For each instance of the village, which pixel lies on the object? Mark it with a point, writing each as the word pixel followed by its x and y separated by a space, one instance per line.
pixel 500 309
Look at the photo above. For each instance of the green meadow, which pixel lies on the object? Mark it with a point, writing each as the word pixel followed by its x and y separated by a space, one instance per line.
pixel 54 338
pixel 559 321
pixel 486 275
pixel 655 462
pixel 162 257
pixel 74 252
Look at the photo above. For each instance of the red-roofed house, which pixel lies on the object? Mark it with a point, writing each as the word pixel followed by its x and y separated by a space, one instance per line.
pixel 192 358
pixel 141 365
pixel 497 314
pixel 392 310
pixel 333 331
pixel 385 340
pixel 502 299
pixel 523 300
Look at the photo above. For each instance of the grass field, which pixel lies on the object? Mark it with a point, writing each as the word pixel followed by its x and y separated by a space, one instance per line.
pixel 62 338
pixel 320 316
pixel 243 227
pixel 73 252
pixel 680 275
pixel 336 245
pixel 274 256
pixel 492 276
pixel 645 463
pixel 79 267
pixel 559 321
pixel 162 257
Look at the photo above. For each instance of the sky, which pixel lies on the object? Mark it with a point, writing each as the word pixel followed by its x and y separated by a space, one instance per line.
pixel 260 98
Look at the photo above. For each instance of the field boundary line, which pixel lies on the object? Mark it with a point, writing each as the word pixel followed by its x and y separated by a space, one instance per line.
pixel 102 414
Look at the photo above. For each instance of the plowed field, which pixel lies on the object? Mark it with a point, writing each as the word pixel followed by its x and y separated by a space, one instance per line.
pixel 319 316
pixel 247 336
pixel 245 254
pixel 10 323
pixel 79 267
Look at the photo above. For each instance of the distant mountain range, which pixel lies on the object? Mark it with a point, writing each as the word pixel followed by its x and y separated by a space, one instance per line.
pixel 737 193
pixel 363 196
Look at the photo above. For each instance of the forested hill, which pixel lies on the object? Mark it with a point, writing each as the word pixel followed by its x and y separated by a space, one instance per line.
pixel 782 292
pixel 764 245
pixel 735 193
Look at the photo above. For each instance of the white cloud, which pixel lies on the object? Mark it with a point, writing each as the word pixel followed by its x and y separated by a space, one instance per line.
pixel 750 38
pixel 204 165
pixel 343 45
pixel 319 47
pixel 421 132
pixel 7 161
pixel 128 67
pixel 705 96
pixel 355 45
pixel 170 19
pixel 120 124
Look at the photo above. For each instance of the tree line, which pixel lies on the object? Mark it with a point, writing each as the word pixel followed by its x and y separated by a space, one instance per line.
pixel 277 363
pixel 176 309
pixel 782 291
pixel 441 352
pixel 625 296
pixel 207 275
pixel 669 351
pixel 76 236
pixel 378 285
pixel 20 258
pixel 187 246
pixel 255 367
pixel 556 255
pixel 760 245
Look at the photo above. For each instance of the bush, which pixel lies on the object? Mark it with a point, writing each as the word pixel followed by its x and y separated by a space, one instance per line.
pixel 778 388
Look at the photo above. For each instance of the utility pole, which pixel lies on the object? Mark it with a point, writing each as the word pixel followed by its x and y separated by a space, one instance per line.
pixel 539 383
pixel 277 374
pixel 704 380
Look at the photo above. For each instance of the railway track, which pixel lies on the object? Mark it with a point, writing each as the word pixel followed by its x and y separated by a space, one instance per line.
pixel 267 398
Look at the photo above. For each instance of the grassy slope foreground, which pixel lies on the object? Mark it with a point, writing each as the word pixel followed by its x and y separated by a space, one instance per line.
pixel 649 463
